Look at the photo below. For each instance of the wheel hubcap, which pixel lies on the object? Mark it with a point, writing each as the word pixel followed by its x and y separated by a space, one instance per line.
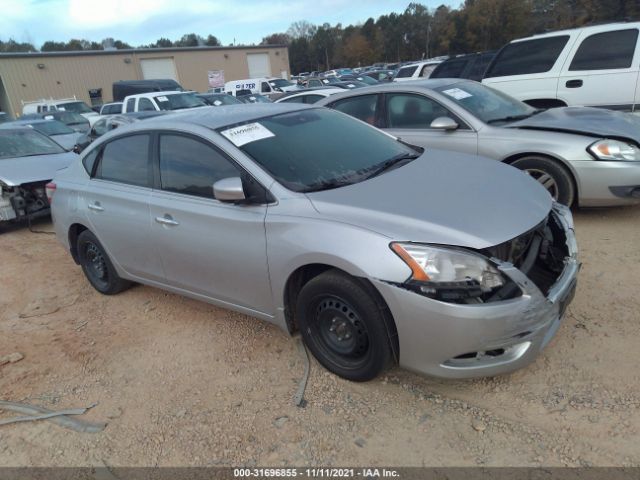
pixel 340 328
pixel 546 180
pixel 96 263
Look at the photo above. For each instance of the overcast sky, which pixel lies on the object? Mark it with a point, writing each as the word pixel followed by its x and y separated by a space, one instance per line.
pixel 144 21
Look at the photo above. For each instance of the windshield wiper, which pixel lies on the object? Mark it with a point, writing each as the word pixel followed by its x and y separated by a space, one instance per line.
pixel 327 185
pixel 513 118
pixel 393 162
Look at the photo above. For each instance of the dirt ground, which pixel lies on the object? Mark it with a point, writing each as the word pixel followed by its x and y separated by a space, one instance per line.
pixel 184 383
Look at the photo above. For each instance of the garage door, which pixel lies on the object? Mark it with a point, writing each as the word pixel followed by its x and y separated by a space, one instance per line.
pixel 259 65
pixel 155 68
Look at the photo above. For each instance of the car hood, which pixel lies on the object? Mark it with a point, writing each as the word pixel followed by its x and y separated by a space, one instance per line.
pixel 596 122
pixel 37 168
pixel 67 140
pixel 442 198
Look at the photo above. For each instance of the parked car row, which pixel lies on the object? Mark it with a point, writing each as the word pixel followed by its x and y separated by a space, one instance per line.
pixel 423 223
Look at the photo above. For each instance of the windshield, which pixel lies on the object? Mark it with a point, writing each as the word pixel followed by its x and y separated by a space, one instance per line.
pixel 318 149
pixel 368 80
pixel 254 99
pixel 78 107
pixel 221 99
pixel 178 101
pixel 279 83
pixel 70 118
pixel 52 127
pixel 489 105
pixel 25 143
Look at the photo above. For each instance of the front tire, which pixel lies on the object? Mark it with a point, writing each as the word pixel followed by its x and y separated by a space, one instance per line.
pixel 97 267
pixel 344 326
pixel 554 177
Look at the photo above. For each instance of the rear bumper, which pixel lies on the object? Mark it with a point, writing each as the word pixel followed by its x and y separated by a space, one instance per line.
pixel 604 183
pixel 505 335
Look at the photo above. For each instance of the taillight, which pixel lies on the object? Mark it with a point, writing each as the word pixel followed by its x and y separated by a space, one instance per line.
pixel 50 188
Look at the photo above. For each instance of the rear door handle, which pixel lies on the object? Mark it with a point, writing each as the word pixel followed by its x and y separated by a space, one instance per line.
pixel 167 220
pixel 95 207
pixel 573 83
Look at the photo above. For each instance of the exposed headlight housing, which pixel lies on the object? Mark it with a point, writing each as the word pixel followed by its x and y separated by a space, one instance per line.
pixel 615 150
pixel 448 274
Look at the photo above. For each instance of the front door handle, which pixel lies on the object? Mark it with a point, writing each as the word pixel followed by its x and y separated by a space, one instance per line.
pixel 167 220
pixel 95 207
pixel 573 83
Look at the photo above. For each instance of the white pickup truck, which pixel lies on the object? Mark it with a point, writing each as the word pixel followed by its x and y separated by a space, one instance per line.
pixel 64 104
pixel 271 87
pixel 161 101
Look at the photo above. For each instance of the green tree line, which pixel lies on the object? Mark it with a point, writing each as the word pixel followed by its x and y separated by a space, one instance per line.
pixel 75 44
pixel 418 32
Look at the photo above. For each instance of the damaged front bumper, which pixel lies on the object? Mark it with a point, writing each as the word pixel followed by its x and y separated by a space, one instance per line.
pixel 454 340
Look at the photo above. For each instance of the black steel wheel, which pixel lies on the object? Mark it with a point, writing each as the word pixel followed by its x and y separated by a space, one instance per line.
pixel 97 267
pixel 344 326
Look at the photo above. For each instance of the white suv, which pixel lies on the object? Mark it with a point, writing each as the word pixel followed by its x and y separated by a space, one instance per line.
pixel 417 70
pixel 591 66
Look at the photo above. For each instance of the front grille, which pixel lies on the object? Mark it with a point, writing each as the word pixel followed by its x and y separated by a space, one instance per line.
pixel 539 253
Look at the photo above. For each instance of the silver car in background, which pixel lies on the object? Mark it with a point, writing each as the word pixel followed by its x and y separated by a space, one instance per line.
pixel 376 252
pixel 583 156
pixel 57 131
pixel 28 161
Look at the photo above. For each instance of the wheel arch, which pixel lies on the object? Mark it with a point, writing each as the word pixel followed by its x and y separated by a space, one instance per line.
pixel 563 163
pixel 74 232
pixel 303 274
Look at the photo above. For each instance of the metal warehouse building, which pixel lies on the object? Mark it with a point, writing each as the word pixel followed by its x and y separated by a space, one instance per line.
pixel 89 75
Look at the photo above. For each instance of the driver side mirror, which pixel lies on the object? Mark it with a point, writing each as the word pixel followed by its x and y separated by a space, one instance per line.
pixel 444 123
pixel 229 190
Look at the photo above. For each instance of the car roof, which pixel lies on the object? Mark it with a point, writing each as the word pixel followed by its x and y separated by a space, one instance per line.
pixel 604 27
pixel 224 115
pixel 30 122
pixel 423 62
pixel 155 94
pixel 412 85
pixel 17 128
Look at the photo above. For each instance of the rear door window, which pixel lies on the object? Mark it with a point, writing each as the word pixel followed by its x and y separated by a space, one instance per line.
pixel 604 51
pixel 406 72
pixel 527 57
pixel 131 105
pixel 427 69
pixel 450 68
pixel 310 99
pixel 362 107
pixel 191 166
pixel 145 105
pixel 126 160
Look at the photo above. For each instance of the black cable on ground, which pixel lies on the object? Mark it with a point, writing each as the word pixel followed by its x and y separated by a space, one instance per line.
pixel 37 231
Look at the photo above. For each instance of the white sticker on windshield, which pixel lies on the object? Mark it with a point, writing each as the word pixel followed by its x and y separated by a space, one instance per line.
pixel 247 133
pixel 457 93
pixel 162 99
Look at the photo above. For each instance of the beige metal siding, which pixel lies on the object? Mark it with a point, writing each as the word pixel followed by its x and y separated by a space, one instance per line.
pixel 69 75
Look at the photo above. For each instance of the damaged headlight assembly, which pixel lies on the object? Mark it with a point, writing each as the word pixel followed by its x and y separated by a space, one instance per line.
pixel 448 274
pixel 615 150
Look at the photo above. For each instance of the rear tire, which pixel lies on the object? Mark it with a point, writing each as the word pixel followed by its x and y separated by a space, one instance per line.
pixel 344 326
pixel 97 266
pixel 552 175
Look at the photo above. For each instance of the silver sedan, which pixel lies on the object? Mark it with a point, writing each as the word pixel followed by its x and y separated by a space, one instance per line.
pixel 583 156
pixel 375 251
